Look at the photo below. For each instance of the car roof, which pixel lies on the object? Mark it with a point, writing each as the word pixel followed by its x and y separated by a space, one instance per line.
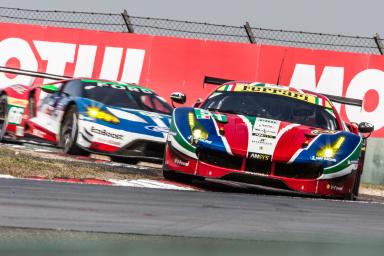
pixel 115 82
pixel 84 79
pixel 282 90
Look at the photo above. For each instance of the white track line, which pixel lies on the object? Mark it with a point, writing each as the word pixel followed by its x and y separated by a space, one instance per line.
pixel 146 183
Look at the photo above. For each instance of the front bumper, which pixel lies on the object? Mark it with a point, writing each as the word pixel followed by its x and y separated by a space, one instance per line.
pixel 337 187
pixel 96 138
pixel 144 150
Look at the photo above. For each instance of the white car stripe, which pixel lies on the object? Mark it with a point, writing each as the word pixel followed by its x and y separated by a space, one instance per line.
pixel 126 115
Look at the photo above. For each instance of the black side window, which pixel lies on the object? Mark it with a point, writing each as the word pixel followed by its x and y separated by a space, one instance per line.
pixel 73 88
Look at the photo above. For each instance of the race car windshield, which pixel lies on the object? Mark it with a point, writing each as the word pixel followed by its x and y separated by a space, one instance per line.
pixel 272 107
pixel 122 96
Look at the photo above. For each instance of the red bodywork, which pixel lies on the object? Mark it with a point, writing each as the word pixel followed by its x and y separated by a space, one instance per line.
pixel 236 134
pixel 27 98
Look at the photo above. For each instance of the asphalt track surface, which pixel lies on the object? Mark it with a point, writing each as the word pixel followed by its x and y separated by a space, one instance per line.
pixel 109 209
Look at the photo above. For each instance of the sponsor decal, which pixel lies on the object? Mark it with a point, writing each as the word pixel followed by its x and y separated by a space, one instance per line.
pixel 323 158
pixel 137 89
pixel 119 86
pixel 157 129
pixel 202 114
pixel 261 88
pixel 263 138
pixel 263 141
pixel 15 115
pixel 259 156
pixel 181 162
pixel 335 187
pixel 190 137
pixel 106 133
pixel 318 132
pixel 19 89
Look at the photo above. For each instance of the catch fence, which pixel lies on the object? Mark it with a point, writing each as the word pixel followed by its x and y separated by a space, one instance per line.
pixel 122 22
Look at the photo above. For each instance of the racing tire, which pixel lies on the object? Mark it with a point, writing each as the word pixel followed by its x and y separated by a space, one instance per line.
pixel 355 189
pixel 3 116
pixel 356 186
pixel 180 177
pixel 69 132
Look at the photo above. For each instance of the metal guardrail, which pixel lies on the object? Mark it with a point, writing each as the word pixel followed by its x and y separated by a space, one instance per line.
pixel 122 22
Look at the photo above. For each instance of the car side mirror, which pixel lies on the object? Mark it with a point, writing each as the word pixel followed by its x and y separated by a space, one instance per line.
pixel 365 127
pixel 49 88
pixel 178 97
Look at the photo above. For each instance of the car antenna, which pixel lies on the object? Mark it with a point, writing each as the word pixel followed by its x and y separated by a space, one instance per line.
pixel 281 68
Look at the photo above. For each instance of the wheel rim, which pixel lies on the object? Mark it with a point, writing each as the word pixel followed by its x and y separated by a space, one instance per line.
pixel 69 131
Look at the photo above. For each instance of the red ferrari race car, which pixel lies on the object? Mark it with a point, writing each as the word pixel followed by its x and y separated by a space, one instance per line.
pixel 268 135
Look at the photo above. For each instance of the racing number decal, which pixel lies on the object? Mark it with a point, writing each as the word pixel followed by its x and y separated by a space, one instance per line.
pixel 15 115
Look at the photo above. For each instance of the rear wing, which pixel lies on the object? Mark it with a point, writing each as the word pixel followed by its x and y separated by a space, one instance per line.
pixel 333 98
pixel 24 72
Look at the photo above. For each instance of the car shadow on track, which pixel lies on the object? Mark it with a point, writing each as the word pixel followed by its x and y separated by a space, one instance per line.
pixel 242 188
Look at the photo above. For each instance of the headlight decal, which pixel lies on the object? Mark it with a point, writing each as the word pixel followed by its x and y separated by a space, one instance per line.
pixel 197 130
pixel 329 151
pixel 344 167
pixel 332 150
pixel 99 114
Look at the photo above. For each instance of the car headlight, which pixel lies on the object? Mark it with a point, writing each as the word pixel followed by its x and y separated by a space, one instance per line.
pixel 96 113
pixel 329 151
pixel 197 130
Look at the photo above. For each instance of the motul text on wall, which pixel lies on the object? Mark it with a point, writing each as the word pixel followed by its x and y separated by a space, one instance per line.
pixel 169 64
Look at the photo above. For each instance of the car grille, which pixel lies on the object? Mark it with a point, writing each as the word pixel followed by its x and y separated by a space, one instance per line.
pixel 258 166
pixel 298 171
pixel 294 170
pixel 220 159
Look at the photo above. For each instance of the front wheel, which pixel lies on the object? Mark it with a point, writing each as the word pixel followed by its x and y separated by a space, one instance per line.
pixel 355 191
pixel 3 115
pixel 353 195
pixel 69 131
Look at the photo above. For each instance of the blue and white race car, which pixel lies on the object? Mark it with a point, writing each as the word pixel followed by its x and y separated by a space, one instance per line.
pixel 84 115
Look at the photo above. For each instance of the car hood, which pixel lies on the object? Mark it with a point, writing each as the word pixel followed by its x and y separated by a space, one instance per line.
pixel 262 138
pixel 132 120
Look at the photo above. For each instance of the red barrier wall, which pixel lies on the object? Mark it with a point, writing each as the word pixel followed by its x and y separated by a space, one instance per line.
pixel 169 64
